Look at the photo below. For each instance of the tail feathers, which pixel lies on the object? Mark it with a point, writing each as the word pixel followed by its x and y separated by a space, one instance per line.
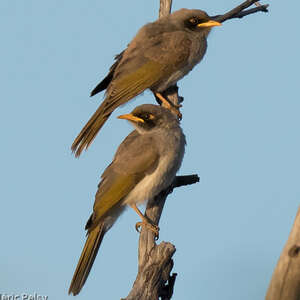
pixel 86 259
pixel 114 99
pixel 90 130
pixel 103 84
pixel 107 80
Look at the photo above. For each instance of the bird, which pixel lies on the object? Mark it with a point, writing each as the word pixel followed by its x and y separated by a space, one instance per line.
pixel 145 164
pixel 161 53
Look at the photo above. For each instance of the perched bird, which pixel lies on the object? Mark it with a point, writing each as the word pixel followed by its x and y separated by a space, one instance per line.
pixel 145 164
pixel 159 55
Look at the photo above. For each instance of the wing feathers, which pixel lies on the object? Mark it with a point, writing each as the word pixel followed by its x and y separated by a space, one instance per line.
pixel 87 259
pixel 106 81
pixel 120 92
pixel 129 167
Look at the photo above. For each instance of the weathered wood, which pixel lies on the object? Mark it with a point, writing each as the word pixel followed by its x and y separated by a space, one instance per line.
pixel 240 11
pixel 285 282
pixel 154 279
pixel 152 275
pixel 165 8
pixel 155 261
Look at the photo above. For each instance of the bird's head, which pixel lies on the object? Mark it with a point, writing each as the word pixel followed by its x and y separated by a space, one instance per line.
pixel 149 117
pixel 193 20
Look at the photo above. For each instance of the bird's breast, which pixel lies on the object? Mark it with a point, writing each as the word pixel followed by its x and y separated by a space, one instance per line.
pixel 164 174
pixel 197 50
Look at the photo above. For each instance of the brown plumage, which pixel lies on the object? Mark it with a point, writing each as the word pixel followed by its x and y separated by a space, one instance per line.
pixel 145 163
pixel 159 55
pixel 86 259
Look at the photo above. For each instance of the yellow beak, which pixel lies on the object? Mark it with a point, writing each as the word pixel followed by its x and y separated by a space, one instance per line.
pixel 132 118
pixel 209 23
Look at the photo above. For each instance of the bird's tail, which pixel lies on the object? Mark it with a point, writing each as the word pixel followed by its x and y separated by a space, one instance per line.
pixel 86 259
pixel 90 130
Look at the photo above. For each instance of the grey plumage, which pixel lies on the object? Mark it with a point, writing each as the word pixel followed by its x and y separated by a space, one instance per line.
pixel 145 163
pixel 159 55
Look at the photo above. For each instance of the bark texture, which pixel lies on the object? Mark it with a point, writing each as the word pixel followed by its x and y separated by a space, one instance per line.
pixel 154 279
pixel 285 282
pixel 155 261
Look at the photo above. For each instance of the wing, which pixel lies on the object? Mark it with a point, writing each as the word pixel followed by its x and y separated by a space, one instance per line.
pixel 173 49
pixel 106 81
pixel 131 164
pixel 148 60
pixel 132 83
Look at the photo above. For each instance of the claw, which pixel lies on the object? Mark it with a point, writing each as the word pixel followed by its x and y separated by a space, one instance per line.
pixel 177 105
pixel 179 115
pixel 174 108
pixel 145 222
pixel 152 227
pixel 138 226
pixel 175 111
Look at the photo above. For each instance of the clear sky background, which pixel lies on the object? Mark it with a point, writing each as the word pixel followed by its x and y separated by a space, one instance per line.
pixel 240 117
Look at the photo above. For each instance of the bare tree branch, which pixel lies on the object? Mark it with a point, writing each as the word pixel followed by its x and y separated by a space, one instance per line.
pixel 185 180
pixel 240 11
pixel 155 261
pixel 237 13
pixel 153 280
pixel 262 8
pixel 165 8
pixel 285 282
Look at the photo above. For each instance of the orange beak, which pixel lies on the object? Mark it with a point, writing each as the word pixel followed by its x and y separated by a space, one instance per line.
pixel 209 23
pixel 132 118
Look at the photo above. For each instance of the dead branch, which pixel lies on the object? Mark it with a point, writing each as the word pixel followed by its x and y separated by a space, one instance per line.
pixel 153 280
pixel 165 8
pixel 285 282
pixel 155 261
pixel 240 11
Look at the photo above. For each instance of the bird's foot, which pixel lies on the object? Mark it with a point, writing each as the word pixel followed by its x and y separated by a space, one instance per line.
pixel 174 108
pixel 145 222
pixel 149 226
pixel 177 105
pixel 178 113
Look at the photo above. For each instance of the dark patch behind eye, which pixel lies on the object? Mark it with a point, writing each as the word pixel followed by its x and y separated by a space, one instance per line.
pixel 146 116
pixel 194 21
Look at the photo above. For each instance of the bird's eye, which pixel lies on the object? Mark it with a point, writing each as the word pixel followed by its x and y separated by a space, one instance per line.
pixel 194 21
pixel 146 117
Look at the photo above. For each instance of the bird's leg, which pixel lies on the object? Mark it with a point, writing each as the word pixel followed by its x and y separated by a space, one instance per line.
pixel 145 222
pixel 166 103
pixel 171 106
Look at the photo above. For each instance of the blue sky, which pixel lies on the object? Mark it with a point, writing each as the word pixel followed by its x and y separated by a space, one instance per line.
pixel 241 119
